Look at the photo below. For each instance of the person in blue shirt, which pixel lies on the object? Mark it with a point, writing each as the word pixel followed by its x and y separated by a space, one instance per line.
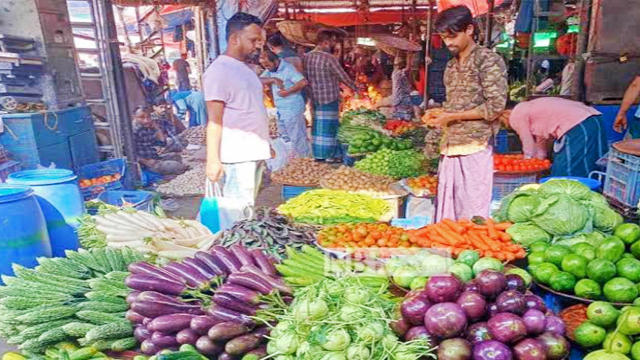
pixel 286 85
pixel 193 102
pixel 630 96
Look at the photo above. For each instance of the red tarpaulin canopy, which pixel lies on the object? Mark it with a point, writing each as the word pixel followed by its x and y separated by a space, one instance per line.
pixel 360 18
pixel 477 7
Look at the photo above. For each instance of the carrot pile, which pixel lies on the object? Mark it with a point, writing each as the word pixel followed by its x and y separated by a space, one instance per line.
pixel 489 239
pixel 573 317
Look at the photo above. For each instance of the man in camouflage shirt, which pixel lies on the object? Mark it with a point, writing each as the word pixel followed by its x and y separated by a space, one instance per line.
pixel 476 86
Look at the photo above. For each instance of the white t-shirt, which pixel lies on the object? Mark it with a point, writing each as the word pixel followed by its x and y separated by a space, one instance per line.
pixel 245 124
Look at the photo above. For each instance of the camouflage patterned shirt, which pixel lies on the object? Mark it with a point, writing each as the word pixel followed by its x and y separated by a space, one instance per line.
pixel 480 82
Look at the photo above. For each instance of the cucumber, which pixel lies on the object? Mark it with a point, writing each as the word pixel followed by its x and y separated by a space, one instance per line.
pixel 83 354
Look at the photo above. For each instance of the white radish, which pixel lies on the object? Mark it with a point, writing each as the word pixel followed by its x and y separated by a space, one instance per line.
pixel 124 220
pixel 121 244
pixel 120 232
pixel 124 238
pixel 101 220
pixel 143 221
pixel 203 230
pixel 152 219
pixel 108 224
pixel 191 231
pixel 176 255
pixel 168 245
pixel 206 243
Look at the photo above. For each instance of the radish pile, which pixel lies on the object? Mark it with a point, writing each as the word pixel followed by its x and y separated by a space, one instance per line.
pixel 209 301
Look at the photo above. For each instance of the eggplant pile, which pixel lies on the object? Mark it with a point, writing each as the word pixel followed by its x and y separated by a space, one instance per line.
pixel 492 317
pixel 208 301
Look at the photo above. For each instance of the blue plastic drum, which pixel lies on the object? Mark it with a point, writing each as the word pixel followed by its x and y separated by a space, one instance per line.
pixel 593 184
pixel 24 232
pixel 62 204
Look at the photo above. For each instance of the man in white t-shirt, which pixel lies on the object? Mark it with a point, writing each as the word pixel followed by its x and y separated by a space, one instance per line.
pixel 238 126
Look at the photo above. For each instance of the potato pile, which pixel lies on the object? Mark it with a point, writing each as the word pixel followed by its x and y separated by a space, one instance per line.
pixel 195 135
pixel 353 180
pixel 301 172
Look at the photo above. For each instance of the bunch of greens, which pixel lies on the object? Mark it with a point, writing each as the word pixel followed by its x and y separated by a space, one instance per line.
pixel 363 116
pixel 558 210
pixel 338 320
pixel 406 163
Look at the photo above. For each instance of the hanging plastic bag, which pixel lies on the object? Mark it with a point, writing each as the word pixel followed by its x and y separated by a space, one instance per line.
pixel 219 213
pixel 283 151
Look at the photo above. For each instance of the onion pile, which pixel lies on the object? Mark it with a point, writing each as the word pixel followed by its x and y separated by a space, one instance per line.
pixel 353 180
pixel 301 172
pixel 196 135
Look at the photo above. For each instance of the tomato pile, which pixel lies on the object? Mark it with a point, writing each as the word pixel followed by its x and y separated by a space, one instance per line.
pixel 399 127
pixel 425 182
pixel 363 235
pixel 84 183
pixel 517 163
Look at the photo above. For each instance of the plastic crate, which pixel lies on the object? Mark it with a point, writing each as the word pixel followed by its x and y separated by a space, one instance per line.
pixel 507 142
pixel 7 168
pixel 347 159
pixel 505 184
pixel 622 182
pixel 289 192
pixel 141 200
pixel 109 167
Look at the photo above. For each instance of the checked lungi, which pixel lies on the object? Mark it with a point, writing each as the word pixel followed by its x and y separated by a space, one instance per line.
pixel 325 130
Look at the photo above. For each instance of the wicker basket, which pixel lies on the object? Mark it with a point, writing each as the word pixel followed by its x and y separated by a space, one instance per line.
pixel 391 44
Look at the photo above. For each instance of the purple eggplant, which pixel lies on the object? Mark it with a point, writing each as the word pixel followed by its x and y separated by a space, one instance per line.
pixel 187 336
pixel 232 303
pixel 144 268
pixel 274 282
pixel 242 254
pixel 241 293
pixel 226 331
pixel 146 321
pixel 258 353
pixel 150 283
pixel 200 266
pixel 141 333
pixel 134 317
pixel 206 346
pixel 243 344
pixel 188 274
pixel 263 263
pixel 170 323
pixel 228 259
pixel 131 298
pixel 213 262
pixel 152 309
pixel 164 340
pixel 202 324
pixel 148 347
pixel 160 298
pixel 400 326
pixel 250 281
pixel 225 314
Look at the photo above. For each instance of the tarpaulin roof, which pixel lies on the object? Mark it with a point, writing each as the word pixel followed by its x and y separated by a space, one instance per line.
pixel 359 18
pixel 478 7
pixel 158 2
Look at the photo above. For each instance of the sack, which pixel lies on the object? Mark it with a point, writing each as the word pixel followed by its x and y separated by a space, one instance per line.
pixel 219 213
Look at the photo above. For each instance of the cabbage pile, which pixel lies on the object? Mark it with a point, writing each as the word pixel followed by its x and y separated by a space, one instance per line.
pixel 564 211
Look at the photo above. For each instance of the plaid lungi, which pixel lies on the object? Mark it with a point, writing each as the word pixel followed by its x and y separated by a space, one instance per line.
pixel 325 130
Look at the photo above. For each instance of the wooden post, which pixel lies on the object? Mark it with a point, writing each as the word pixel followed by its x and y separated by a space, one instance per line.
pixel 489 27
pixel 427 50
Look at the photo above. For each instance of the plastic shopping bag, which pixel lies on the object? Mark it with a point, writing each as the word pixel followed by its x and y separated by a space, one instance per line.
pixel 219 213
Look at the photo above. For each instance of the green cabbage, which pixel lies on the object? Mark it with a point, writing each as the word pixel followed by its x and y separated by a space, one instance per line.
pixel 605 218
pixel 526 234
pixel 502 213
pixel 522 208
pixel 561 215
pixel 575 189
pixel 597 198
pixel 594 238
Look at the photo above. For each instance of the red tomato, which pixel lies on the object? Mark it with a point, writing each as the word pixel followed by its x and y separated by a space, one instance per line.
pixel 508 168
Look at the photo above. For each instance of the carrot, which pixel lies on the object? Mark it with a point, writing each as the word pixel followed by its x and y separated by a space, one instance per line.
pixel 521 253
pixel 488 253
pixel 465 222
pixel 446 232
pixel 440 240
pixel 480 227
pixel 477 241
pixel 504 236
pixel 454 226
pixel 493 233
pixel 502 226
pixel 510 256
pixel 422 231
pixel 500 256
pixel 457 251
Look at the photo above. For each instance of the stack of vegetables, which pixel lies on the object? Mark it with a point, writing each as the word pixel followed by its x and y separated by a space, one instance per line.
pixel 363 117
pixel 268 231
pixel 396 164
pixel 179 303
pixel 491 317
pixel 366 240
pixel 608 271
pixel 116 228
pixel 334 206
pixel 188 183
pixel 362 139
pixel 426 185
pixel 518 164
pixel 564 211
pixel 489 239
pixel 80 297
pixel 310 266
pixel 353 180
pixel 412 272
pixel 399 127
pixel 609 333
pixel 338 320
pixel 301 172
